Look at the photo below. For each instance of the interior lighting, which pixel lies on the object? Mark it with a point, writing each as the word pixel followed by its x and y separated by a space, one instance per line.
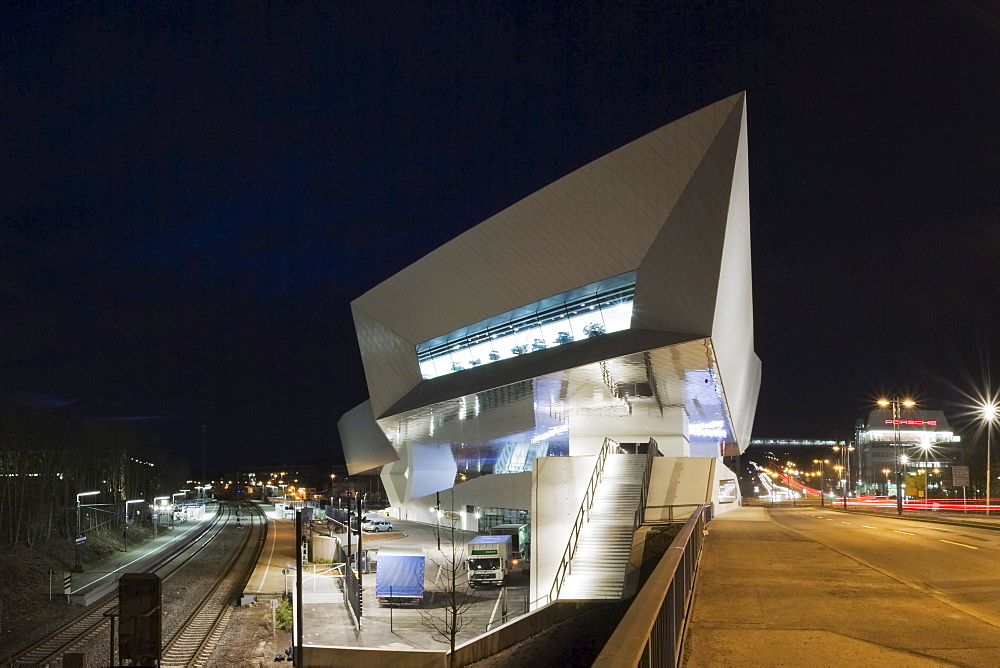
pixel 546 435
pixel 714 428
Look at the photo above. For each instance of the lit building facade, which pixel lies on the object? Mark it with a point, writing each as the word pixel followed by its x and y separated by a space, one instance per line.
pixel 926 440
pixel 614 303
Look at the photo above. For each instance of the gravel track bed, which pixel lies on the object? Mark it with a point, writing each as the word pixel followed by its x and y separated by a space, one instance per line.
pixel 182 592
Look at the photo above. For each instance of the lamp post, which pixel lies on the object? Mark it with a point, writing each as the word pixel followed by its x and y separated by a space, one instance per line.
pixel 173 504
pixel 157 506
pixel 822 478
pixel 886 473
pixel 840 471
pixel 845 461
pixel 125 530
pixel 845 451
pixel 896 403
pixel 927 483
pixel 79 532
pixel 437 518
pixel 988 411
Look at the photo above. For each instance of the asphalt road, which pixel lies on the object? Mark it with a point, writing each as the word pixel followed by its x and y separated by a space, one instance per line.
pixel 788 586
pixel 956 565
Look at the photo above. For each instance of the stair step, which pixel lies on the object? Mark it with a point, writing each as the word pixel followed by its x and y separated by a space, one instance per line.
pixel 604 544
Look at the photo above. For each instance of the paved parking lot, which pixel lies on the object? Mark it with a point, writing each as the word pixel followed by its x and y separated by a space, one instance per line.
pixel 328 622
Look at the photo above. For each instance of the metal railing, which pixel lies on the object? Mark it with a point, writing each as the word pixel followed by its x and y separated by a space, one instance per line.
pixel 679 512
pixel 640 513
pixel 353 594
pixel 582 515
pixel 652 631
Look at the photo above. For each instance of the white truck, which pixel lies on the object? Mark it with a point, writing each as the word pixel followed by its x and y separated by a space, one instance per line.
pixel 489 560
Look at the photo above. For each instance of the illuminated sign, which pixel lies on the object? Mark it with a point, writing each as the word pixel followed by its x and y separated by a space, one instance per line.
pixel 932 423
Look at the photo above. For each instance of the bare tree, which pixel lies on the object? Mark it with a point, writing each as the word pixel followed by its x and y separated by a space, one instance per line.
pixel 447 621
pixel 45 459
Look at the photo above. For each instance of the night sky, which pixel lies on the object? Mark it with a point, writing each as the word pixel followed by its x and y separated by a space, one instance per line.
pixel 193 193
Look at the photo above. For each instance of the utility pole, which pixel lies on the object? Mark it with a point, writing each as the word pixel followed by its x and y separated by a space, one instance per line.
pixel 298 587
pixel 360 551
pixel 203 477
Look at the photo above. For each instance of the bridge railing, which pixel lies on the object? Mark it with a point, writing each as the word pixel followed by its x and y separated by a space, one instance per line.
pixel 652 631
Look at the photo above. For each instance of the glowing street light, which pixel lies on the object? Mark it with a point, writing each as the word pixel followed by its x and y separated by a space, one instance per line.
pixel 79 531
pixel 897 405
pixel 988 411
pixel 131 501
pixel 845 460
pixel 125 530
pixel 822 477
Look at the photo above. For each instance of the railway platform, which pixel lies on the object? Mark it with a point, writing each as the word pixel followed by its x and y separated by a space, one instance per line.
pixel 100 579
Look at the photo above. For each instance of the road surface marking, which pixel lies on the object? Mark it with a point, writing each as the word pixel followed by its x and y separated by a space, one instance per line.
pixel 496 605
pixel 267 567
pixel 906 532
pixel 843 522
pixel 868 527
pixel 961 544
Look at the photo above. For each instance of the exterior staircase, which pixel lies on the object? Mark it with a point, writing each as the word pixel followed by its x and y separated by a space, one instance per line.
pixel 597 570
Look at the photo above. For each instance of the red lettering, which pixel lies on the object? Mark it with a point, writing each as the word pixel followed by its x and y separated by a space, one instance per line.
pixel 929 423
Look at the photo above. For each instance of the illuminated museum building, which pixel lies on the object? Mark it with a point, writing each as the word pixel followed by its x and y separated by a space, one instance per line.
pixel 615 303
pixel 925 439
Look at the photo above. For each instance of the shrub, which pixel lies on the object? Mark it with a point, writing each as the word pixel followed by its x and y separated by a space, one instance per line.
pixel 283 615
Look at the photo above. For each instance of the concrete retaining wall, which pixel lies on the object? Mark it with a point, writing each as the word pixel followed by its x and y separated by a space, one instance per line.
pixel 370 657
pixel 516 631
pixel 474 650
pixel 324 547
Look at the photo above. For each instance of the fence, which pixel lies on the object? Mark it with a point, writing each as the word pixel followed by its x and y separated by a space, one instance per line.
pixel 652 631
pixel 352 588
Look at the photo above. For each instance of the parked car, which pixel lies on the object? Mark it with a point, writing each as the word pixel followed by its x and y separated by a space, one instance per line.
pixel 377 525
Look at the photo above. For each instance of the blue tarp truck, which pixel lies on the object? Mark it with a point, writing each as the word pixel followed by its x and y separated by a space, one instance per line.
pixel 399 575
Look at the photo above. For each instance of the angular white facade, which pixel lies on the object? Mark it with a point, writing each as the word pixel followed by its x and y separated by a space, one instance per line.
pixel 614 303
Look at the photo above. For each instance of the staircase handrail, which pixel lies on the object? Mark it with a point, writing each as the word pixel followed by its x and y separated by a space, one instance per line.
pixel 582 515
pixel 640 513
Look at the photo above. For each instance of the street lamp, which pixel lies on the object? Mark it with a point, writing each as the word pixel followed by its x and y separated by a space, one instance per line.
pixel 845 460
pixel 125 530
pixel 131 501
pixel 988 411
pixel 886 473
pixel 927 482
pixel 822 477
pixel 897 404
pixel 79 531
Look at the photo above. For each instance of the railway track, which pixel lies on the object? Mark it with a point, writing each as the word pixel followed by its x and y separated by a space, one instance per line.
pixel 86 628
pixel 197 637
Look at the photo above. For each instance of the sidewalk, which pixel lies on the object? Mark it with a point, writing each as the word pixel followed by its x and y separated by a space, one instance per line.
pixel 768 596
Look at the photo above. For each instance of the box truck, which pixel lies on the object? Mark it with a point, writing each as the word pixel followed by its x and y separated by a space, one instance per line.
pixel 489 560
pixel 520 535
